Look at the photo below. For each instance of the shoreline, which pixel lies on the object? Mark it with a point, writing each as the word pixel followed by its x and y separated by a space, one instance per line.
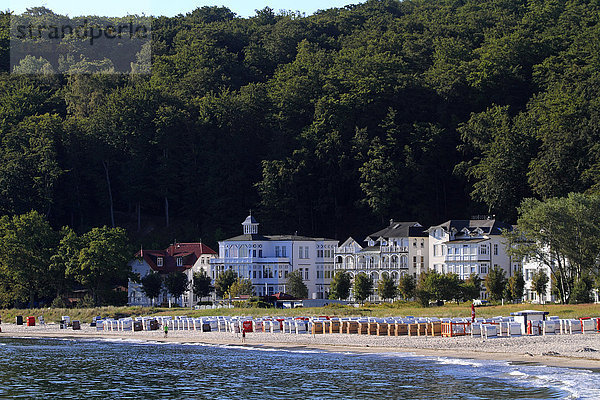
pixel 522 350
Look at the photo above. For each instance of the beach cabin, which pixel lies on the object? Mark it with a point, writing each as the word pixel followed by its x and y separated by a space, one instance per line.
pixel 526 316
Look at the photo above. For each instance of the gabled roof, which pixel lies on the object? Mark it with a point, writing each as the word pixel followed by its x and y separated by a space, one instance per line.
pixel 189 252
pixel 350 242
pixel 487 226
pixel 399 229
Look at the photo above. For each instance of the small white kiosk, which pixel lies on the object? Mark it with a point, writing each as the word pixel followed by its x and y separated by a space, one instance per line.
pixel 523 317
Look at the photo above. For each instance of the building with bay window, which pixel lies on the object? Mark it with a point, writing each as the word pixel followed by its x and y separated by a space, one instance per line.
pixel 466 247
pixel 396 250
pixel 268 259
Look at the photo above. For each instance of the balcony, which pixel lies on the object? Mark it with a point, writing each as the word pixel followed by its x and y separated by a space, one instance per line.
pixel 394 249
pixel 250 260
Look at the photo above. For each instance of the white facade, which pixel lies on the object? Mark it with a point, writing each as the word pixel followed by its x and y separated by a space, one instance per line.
pixel 135 294
pixel 466 247
pixel 267 260
pixel 178 257
pixel 530 267
pixel 397 250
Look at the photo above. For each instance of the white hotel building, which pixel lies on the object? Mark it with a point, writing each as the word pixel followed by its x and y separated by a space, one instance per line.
pixel 466 247
pixel 267 260
pixel 399 249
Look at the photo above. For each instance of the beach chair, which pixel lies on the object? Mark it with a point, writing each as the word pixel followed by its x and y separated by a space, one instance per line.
pixel 476 329
pixel 489 330
pixel 587 325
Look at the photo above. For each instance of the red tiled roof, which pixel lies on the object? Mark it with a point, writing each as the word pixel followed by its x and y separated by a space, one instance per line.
pixel 189 252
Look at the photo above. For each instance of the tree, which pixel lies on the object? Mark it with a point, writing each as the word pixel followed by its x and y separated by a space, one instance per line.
pixel 101 262
pixel 516 284
pixel 152 285
pixel 499 170
pixel 433 285
pixel 26 244
pixel 581 291
pixel 241 287
pixel 539 283
pixel 363 286
pixel 340 286
pixel 176 283
pixel 562 234
pixel 407 286
pixel 224 282
pixel 386 287
pixel 495 281
pixel 202 284
pixel 295 285
pixel 471 287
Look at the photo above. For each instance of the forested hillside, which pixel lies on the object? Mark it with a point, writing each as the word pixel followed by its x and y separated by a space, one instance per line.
pixel 328 124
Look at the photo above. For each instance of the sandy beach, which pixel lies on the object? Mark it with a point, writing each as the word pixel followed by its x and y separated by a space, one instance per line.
pixel 573 351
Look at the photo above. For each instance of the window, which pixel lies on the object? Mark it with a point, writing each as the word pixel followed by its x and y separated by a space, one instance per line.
pixel 495 249
pixel 277 251
pixel 300 252
pixel 414 243
pixel 253 253
pixel 283 251
pixel 306 271
pixel 422 243
pixel 254 274
pixel 243 251
pixel 319 253
pixel 260 253
pixel 180 261
pixel 305 251
pixel 483 249
pixel 159 262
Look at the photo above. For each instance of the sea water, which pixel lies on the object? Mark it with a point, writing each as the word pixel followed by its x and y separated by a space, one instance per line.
pixel 98 369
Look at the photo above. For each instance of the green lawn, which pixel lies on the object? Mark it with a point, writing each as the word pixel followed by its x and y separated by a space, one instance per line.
pixel 386 310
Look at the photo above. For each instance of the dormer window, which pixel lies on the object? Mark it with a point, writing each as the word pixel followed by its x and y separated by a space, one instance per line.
pixel 180 261
pixel 159 261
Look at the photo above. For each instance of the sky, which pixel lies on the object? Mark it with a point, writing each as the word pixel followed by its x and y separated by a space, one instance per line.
pixel 110 8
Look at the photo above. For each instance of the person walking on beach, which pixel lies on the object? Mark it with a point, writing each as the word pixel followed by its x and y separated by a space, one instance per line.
pixel 472 313
pixel 166 329
pixel 243 336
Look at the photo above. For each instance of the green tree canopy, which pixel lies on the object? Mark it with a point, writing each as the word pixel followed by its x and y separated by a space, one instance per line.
pixel 539 283
pixel 386 287
pixel 202 284
pixel 224 282
pixel 27 243
pixel 152 285
pixel 101 262
pixel 241 287
pixel 407 286
pixel 561 234
pixel 495 282
pixel 363 286
pixel 516 285
pixel 295 285
pixel 176 284
pixel 340 286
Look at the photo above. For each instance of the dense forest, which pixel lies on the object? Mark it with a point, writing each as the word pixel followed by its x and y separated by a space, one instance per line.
pixel 328 124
